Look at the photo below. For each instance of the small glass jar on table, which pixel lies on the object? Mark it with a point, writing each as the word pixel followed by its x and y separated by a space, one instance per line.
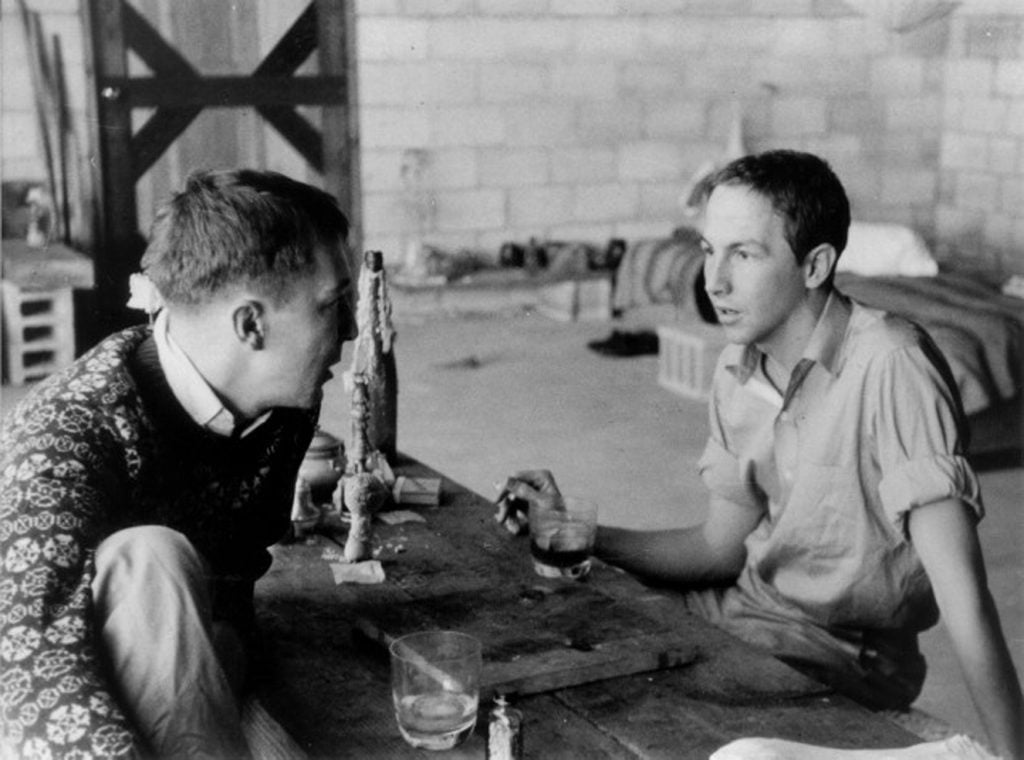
pixel 323 464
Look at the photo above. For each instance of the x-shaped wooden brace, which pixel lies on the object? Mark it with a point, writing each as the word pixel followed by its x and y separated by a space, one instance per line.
pixel 179 92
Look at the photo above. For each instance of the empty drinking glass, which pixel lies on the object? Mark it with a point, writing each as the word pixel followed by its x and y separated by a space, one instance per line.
pixel 435 685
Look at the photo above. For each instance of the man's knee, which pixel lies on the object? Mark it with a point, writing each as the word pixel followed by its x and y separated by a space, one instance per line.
pixel 154 616
pixel 147 543
pixel 147 557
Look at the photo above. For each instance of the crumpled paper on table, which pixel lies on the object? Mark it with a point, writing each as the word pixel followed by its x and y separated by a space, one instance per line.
pixel 367 571
pixel 958 747
pixel 399 516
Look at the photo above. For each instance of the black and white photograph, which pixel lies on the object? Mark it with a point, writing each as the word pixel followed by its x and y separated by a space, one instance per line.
pixel 512 379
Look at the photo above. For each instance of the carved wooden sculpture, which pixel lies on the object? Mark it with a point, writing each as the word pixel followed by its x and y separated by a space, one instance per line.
pixel 373 355
pixel 364 492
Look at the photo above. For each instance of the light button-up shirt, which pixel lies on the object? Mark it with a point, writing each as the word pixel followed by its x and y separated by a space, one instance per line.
pixel 867 429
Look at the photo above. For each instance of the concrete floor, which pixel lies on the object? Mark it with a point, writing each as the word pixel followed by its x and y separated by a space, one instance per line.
pixel 484 395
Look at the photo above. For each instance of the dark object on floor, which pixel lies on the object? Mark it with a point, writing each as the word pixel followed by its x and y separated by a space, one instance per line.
pixel 622 343
pixel 469 362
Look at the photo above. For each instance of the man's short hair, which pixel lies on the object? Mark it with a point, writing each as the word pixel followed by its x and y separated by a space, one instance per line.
pixel 235 227
pixel 802 188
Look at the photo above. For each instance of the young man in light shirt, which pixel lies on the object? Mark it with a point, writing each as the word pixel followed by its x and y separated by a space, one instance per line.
pixel 843 512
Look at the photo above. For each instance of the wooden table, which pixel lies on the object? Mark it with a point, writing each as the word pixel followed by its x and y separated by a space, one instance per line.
pixel 328 685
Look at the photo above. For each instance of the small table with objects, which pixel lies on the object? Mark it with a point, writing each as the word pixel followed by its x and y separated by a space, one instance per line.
pixel 605 667
pixel 38 307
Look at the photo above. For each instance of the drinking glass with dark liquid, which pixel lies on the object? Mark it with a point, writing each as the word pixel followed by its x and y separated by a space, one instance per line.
pixel 562 539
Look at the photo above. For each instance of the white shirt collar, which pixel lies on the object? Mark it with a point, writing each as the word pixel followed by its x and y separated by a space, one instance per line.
pixel 190 388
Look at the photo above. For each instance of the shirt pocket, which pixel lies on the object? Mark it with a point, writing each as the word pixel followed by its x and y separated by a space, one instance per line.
pixel 818 523
pixel 814 555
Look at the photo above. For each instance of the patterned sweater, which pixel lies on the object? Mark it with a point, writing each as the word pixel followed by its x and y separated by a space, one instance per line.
pixel 99 447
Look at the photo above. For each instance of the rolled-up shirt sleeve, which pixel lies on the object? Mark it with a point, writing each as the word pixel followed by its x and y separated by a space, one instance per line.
pixel 923 481
pixel 917 429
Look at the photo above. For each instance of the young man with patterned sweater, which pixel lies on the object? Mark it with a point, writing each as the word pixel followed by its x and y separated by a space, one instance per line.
pixel 141 487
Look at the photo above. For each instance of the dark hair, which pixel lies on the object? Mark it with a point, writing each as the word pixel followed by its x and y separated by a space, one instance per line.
pixel 241 226
pixel 802 188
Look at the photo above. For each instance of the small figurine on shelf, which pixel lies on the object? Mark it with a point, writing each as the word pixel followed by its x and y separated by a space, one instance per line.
pixel 40 218
pixel 365 492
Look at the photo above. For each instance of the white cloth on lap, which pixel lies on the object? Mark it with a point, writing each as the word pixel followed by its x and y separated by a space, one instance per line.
pixel 958 747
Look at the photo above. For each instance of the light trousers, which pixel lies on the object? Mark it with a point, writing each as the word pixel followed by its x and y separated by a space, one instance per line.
pixel 171 667
pixel 874 671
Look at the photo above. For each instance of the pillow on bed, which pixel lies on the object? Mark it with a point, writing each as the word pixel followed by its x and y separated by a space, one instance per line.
pixel 878 249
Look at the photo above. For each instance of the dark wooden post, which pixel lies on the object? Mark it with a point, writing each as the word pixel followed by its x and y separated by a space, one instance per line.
pixel 337 53
pixel 119 245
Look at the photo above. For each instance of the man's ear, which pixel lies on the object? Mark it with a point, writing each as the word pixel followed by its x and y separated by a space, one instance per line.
pixel 818 265
pixel 250 325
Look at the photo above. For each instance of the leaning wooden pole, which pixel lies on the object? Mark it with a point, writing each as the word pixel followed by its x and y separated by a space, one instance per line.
pixel 39 76
pixel 63 128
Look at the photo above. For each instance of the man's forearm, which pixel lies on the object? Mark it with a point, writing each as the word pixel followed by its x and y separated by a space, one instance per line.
pixel 680 555
pixel 991 677
pixel 944 537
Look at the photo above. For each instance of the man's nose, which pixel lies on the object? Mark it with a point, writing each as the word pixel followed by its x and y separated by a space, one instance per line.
pixel 716 275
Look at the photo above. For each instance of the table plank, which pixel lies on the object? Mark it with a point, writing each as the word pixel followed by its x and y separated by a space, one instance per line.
pixel 541 637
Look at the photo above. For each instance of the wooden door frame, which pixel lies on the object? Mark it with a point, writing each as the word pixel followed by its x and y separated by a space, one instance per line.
pixel 178 93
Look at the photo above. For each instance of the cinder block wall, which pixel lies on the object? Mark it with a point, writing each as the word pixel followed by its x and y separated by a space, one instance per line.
pixel 980 203
pixel 491 120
